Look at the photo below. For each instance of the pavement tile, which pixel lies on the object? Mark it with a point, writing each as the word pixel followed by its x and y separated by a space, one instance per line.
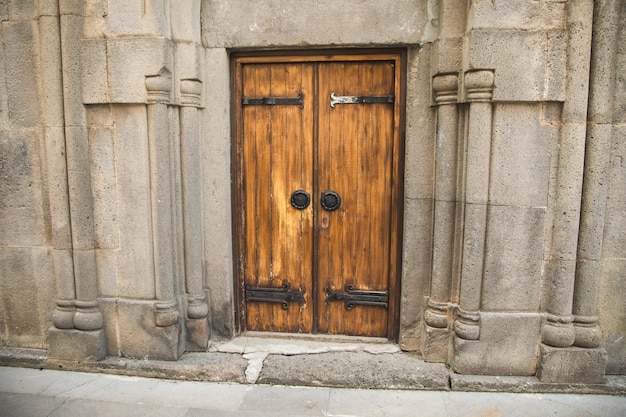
pixel 90 408
pixel 28 405
pixel 366 403
pixel 286 401
pixel 480 404
pixel 584 405
pixel 34 381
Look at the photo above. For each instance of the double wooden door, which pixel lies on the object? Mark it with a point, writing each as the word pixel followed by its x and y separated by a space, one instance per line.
pixel 318 202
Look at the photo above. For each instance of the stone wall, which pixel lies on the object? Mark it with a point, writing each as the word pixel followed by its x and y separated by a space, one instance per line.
pixel 115 174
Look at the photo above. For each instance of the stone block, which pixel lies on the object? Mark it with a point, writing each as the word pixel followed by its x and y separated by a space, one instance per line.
pixel 130 60
pixel 106 266
pixel 104 189
pixel 22 10
pixel 4 11
pixel 513 259
pixel 534 81
pixel 508 345
pixel 132 170
pixel 51 73
pixel 416 264
pixel 21 205
pixel 520 156
pixel 612 313
pixel 572 365
pixel 185 21
pixel 420 127
pixel 614 245
pixel 436 344
pixel 140 337
pixel 76 345
pixel 56 178
pixel 198 334
pixel 447 55
pixel 26 282
pixel 136 17
pixel 22 72
pixel 517 14
pixel 94 82
pixel 244 24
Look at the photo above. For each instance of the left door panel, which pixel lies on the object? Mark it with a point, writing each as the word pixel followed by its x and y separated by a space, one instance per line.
pixel 278 236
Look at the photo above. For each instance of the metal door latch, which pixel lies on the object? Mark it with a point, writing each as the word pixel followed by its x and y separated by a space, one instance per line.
pixel 359 99
pixel 354 297
pixel 272 101
pixel 280 295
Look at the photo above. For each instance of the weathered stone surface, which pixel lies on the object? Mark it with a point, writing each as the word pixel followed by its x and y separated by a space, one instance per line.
pixel 21 205
pixel 76 345
pixel 542 75
pixel 520 156
pixel 350 369
pixel 573 365
pixel 130 60
pixel 513 251
pixel 217 219
pixel 507 346
pixel 517 14
pixel 135 258
pixel 20 46
pixel 420 129
pixel 140 337
pixel 416 267
pixel 241 23
pixel 26 281
pixel 612 313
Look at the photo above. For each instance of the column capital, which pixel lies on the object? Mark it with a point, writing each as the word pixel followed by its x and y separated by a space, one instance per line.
pixel 445 88
pixel 191 92
pixel 159 86
pixel 479 85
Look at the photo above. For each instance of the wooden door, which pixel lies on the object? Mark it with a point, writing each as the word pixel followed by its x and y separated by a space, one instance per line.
pixel 318 193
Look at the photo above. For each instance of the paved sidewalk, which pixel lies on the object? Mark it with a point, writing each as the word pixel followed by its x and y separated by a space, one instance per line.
pixel 31 392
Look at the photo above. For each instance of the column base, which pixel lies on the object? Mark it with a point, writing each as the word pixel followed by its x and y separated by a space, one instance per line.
pixel 436 344
pixel 197 335
pixel 572 365
pixel 76 345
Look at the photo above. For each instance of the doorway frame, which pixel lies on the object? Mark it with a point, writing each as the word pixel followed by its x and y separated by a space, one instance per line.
pixel 237 183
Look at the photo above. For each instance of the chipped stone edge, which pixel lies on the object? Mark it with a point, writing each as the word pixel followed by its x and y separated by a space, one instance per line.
pixel 38 359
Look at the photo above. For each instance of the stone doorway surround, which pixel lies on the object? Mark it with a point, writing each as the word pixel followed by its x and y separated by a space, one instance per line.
pixel 504 265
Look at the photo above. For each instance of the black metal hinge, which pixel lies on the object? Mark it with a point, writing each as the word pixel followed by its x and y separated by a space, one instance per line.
pixel 280 295
pixel 354 297
pixel 273 101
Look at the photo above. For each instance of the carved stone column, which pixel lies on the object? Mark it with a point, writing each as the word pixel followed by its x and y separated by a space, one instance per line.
pixel 158 89
pixel 437 314
pixel 560 360
pixel 479 91
pixel 191 166
pixel 78 333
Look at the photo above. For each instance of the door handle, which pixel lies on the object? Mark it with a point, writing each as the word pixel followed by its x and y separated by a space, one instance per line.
pixel 330 200
pixel 300 199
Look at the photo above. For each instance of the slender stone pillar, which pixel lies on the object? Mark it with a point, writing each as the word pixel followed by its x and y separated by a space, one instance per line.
pixel 158 88
pixel 191 166
pixel 83 336
pixel 437 314
pixel 560 360
pixel 597 155
pixel 479 89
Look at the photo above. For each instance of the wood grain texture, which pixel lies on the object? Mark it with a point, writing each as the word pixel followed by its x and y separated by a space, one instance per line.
pixel 352 149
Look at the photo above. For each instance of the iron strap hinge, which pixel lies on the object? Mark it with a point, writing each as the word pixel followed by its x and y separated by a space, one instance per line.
pixel 280 295
pixel 353 297
pixel 272 101
pixel 359 99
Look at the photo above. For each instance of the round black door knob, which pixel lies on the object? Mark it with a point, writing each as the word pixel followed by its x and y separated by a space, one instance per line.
pixel 300 199
pixel 330 200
